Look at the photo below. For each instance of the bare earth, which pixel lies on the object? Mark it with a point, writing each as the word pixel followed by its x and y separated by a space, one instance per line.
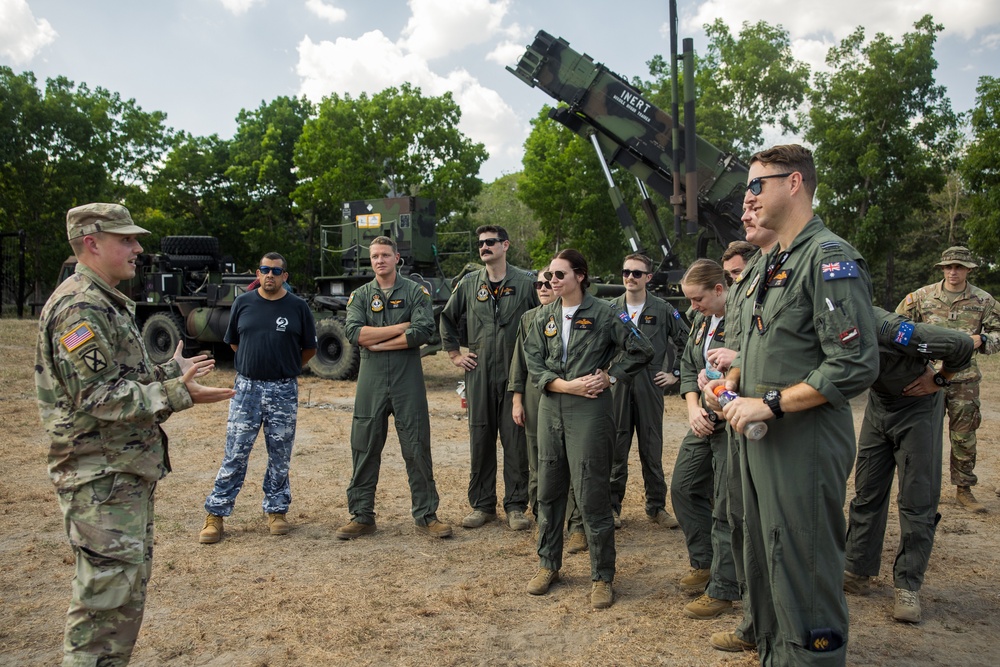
pixel 398 598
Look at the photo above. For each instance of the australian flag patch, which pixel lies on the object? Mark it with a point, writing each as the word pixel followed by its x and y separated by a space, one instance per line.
pixel 838 270
pixel 903 335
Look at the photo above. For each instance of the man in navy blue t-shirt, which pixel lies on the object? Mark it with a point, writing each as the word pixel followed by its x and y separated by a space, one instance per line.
pixel 274 336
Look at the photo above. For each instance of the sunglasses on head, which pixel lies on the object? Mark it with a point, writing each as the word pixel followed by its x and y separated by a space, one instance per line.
pixel 560 275
pixel 756 184
pixel 489 242
pixel 276 270
pixel 635 274
pixel 539 284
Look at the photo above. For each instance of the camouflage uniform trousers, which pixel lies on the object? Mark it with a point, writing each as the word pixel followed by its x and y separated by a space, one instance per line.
pixel 272 404
pixel 962 400
pixel 109 522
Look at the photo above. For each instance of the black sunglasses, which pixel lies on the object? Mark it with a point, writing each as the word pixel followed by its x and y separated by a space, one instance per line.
pixel 756 184
pixel 635 274
pixel 276 270
pixel 489 242
pixel 539 284
pixel 561 275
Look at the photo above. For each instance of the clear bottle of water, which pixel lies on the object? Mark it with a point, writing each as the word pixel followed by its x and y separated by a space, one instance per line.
pixel 712 372
pixel 753 430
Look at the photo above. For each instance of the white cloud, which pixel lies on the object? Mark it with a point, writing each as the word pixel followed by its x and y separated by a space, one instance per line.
pixel 238 7
pixel 21 35
pixel 325 11
pixel 439 27
pixel 506 53
pixel 991 41
pixel 372 63
pixel 839 19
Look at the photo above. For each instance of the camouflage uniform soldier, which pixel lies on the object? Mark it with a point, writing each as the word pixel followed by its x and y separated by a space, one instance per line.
pixel 491 302
pixel 957 304
pixel 101 401
pixel 902 428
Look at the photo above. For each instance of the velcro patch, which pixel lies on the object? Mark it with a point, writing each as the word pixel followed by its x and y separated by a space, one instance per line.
pixel 849 335
pixel 77 336
pixel 94 359
pixel 677 314
pixel 903 335
pixel 395 304
pixel 649 319
pixel 584 324
pixel 838 270
pixel 780 278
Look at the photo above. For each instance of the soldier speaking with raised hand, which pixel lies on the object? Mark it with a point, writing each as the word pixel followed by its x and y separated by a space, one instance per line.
pixel 102 401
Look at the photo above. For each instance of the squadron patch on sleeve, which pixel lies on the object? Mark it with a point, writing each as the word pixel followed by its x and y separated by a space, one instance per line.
pixel 77 336
pixel 350 299
pixel 902 337
pixel 426 291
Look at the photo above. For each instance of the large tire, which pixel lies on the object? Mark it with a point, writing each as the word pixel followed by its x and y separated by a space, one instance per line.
pixel 161 333
pixel 336 358
pixel 190 245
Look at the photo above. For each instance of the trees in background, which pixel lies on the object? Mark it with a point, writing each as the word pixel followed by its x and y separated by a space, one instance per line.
pixel 883 130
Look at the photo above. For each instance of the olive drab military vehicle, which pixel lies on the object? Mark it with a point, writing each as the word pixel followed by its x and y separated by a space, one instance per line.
pixel 184 292
pixel 412 223
pixel 628 131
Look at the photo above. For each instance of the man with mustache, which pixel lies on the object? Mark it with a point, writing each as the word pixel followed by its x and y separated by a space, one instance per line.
pixel 485 309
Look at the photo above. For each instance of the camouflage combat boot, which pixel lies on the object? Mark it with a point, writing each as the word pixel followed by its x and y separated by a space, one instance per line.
pixel 968 501
pixel 212 532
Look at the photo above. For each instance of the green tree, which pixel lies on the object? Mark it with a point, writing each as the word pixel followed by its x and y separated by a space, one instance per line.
pixel 68 146
pixel 882 129
pixel 262 174
pixel 980 170
pixel 499 204
pixel 565 188
pixel 395 143
pixel 744 84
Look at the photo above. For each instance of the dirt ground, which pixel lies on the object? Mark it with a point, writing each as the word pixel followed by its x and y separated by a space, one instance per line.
pixel 398 598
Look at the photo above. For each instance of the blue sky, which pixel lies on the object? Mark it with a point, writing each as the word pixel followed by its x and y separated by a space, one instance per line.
pixel 202 61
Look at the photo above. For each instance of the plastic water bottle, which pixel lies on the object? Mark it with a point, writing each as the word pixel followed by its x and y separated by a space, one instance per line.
pixel 753 430
pixel 712 372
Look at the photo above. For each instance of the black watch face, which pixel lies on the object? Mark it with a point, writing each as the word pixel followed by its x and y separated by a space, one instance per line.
pixel 940 381
pixel 770 396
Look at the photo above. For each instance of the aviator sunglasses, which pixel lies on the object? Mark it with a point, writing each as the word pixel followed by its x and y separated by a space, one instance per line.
pixel 489 242
pixel 539 284
pixel 276 270
pixel 560 275
pixel 756 184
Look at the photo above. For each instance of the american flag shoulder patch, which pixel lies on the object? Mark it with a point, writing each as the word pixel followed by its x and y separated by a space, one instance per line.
pixel 77 336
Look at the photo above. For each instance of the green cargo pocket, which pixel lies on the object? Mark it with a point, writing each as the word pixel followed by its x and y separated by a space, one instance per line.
pixel 103 583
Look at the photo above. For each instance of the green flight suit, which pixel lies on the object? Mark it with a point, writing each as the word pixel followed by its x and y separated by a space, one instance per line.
pixel 735 300
pixel 638 404
pixel 531 394
pixel 391 383
pixel 576 435
pixel 491 321
pixel 904 432
pixel 816 326
pixel 698 483
pixel 972 312
pixel 101 401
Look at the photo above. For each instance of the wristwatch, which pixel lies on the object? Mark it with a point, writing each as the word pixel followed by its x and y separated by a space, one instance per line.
pixel 772 399
pixel 941 380
pixel 677 373
pixel 612 379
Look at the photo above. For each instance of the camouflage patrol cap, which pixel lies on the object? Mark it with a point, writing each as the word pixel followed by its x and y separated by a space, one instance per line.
pixel 957 255
pixel 93 218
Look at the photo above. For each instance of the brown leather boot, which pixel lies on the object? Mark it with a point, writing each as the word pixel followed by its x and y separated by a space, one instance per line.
pixel 277 524
pixel 968 501
pixel 212 532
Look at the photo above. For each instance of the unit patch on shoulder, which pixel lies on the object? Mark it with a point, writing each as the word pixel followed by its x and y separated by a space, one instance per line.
pixel 350 299
pixel 677 314
pixel 838 270
pixel 903 335
pixel 377 303
pixel 910 299
pixel 77 336
pixel 426 291
pixel 550 327
pixel 94 359
pixel 483 293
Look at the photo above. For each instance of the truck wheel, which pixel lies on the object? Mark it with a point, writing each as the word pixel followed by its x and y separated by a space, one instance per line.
pixel 336 358
pixel 190 245
pixel 161 333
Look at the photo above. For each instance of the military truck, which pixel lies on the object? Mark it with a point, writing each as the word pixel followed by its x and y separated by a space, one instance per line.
pixel 705 184
pixel 184 292
pixel 412 223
